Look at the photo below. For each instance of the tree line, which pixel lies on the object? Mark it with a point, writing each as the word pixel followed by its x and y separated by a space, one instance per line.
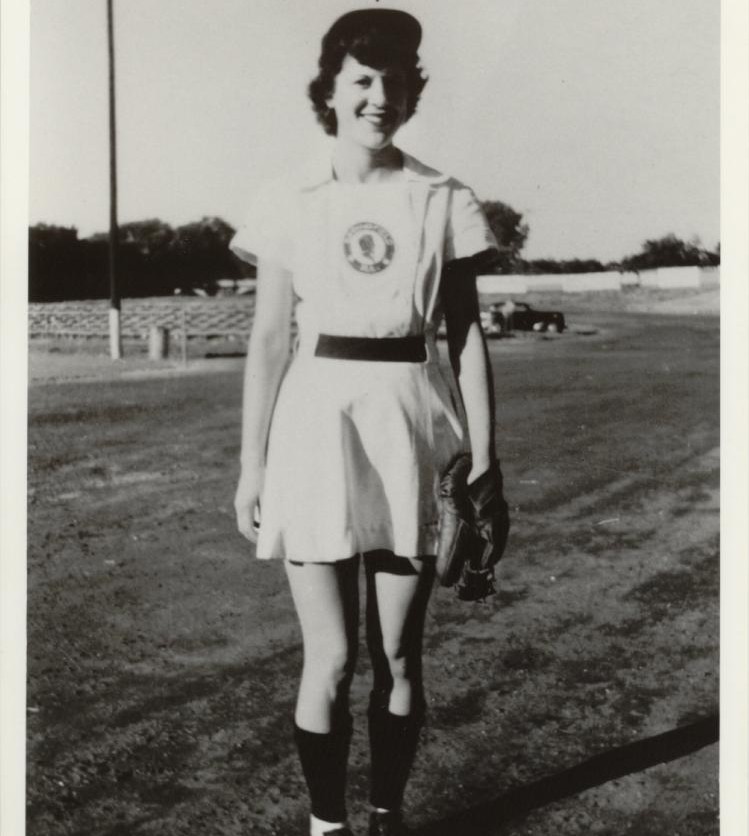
pixel 511 234
pixel 157 260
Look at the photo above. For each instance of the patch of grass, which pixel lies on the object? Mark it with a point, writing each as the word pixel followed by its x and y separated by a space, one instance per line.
pixel 665 588
pixel 508 597
pixel 598 540
pixel 704 822
pixel 624 498
pixel 695 715
pixel 633 703
pixel 648 823
pixel 464 709
pixel 94 414
pixel 708 552
pixel 673 591
pixel 526 657
pixel 626 629
pixel 589 671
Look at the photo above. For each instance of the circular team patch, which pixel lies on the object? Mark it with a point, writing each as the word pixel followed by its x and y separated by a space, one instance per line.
pixel 368 247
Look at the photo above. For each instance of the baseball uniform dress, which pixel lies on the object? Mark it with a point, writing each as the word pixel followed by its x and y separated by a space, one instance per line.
pixel 356 447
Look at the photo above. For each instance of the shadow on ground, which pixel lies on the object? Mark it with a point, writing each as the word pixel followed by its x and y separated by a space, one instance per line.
pixel 483 819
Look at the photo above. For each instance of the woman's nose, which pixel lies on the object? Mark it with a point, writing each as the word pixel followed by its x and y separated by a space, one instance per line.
pixel 377 92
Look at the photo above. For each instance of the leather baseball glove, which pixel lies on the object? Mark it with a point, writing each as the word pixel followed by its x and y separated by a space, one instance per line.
pixel 473 529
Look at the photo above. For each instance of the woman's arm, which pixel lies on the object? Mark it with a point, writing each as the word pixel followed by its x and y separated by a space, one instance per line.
pixel 469 359
pixel 268 354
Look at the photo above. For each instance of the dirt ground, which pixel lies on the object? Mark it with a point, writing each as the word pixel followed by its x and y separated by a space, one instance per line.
pixel 582 699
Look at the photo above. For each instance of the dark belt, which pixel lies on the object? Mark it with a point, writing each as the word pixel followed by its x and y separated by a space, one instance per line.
pixel 410 349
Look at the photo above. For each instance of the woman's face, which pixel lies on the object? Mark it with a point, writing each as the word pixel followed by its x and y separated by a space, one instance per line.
pixel 369 104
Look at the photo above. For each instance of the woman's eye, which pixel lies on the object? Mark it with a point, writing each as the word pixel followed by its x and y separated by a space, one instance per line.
pixel 363 82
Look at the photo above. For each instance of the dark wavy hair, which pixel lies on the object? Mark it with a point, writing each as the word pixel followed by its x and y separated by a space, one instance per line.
pixel 373 48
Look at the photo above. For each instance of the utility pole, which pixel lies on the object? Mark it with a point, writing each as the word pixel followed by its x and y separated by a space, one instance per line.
pixel 115 336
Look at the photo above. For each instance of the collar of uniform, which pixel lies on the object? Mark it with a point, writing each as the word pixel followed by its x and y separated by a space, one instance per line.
pixel 320 172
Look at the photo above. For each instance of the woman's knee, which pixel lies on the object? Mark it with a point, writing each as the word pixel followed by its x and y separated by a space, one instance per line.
pixel 330 665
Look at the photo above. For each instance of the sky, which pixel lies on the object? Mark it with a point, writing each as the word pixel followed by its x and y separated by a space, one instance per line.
pixel 599 121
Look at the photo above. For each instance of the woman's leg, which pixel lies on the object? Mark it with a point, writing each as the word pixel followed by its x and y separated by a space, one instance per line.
pixel 397 595
pixel 326 597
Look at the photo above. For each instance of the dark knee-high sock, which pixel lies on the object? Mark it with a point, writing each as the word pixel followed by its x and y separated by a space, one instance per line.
pixel 393 741
pixel 323 758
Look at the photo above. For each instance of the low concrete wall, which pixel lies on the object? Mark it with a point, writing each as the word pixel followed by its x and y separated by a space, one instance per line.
pixel 680 277
pixel 648 278
pixel 502 284
pixel 583 282
pixel 520 284
pixel 672 277
pixel 663 277
pixel 552 282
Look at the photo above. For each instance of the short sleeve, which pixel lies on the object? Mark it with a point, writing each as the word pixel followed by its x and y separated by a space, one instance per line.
pixel 266 230
pixel 468 231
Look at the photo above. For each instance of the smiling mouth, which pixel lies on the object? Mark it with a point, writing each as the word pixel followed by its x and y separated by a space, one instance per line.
pixel 380 120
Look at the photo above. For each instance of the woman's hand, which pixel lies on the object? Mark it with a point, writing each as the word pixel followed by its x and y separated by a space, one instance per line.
pixel 247 500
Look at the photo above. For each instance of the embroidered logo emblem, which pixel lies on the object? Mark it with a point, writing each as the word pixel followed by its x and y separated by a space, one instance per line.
pixel 368 247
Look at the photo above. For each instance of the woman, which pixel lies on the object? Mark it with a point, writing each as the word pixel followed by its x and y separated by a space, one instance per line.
pixel 343 447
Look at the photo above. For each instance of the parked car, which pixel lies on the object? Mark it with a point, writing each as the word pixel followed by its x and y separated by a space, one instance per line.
pixel 526 318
